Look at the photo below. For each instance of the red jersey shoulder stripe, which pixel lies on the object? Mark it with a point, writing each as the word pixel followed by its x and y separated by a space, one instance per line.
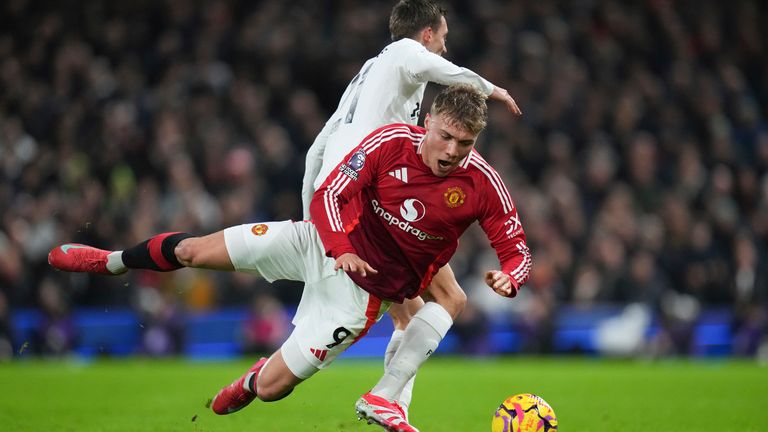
pixel 341 181
pixel 465 162
pixel 395 132
pixel 493 177
pixel 417 143
pixel 330 198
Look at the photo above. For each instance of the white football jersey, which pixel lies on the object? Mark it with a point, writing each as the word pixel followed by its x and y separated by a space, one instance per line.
pixel 388 89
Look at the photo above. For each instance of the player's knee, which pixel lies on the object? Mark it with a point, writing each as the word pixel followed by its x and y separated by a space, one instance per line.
pixel 400 322
pixel 401 316
pixel 187 253
pixel 457 300
pixel 453 302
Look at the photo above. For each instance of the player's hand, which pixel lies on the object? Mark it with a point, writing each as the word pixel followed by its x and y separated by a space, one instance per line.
pixel 350 262
pixel 503 96
pixel 501 283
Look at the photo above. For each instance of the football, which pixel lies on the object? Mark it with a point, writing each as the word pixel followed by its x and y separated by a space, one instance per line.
pixel 524 413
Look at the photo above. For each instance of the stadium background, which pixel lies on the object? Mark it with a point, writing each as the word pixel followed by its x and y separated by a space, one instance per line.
pixel 640 168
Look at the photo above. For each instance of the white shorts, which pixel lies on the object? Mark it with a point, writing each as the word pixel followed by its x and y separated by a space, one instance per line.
pixel 333 313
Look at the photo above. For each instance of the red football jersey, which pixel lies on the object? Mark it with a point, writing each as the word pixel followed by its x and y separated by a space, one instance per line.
pixel 384 204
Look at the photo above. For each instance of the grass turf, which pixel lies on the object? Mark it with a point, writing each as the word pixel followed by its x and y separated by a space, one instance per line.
pixel 452 394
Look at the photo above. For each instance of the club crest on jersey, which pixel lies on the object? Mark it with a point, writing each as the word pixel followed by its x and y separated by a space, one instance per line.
pixel 260 229
pixel 354 164
pixel 454 197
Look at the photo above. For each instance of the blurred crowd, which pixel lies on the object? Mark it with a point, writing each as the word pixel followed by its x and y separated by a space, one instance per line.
pixel 639 167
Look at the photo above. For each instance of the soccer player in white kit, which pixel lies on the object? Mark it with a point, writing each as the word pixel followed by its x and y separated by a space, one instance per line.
pixel 389 88
pixel 356 260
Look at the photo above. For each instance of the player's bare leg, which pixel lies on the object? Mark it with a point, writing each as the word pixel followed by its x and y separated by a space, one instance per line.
pixel 269 380
pixel 276 380
pixel 163 252
pixel 422 335
pixel 446 291
pixel 401 314
pixel 207 252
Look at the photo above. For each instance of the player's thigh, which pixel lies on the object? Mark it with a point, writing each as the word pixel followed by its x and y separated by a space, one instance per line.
pixel 446 291
pixel 208 252
pixel 278 250
pixel 333 314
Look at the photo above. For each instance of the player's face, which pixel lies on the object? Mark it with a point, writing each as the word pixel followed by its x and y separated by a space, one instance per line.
pixel 437 43
pixel 445 145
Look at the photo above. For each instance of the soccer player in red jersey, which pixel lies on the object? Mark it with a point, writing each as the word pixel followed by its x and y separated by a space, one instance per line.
pixel 356 260
pixel 419 191
pixel 389 88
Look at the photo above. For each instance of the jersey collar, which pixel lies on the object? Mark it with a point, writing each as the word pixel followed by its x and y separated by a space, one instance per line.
pixel 465 162
pixel 420 144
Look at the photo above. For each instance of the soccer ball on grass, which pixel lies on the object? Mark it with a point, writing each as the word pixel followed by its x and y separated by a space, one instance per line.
pixel 524 413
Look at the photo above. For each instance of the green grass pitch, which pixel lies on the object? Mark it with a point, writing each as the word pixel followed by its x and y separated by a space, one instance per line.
pixel 452 394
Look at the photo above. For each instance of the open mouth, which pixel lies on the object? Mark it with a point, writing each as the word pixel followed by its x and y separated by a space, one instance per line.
pixel 443 164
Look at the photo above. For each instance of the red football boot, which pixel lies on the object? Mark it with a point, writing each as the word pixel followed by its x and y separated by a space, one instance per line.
pixel 236 396
pixel 80 258
pixel 389 415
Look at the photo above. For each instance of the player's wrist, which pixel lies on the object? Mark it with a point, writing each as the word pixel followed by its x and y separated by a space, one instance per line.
pixel 341 250
pixel 515 287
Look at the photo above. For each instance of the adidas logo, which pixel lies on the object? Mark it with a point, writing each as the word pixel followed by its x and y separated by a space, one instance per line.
pixel 400 174
pixel 319 353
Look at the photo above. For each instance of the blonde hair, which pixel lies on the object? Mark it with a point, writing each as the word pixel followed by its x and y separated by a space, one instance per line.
pixel 463 105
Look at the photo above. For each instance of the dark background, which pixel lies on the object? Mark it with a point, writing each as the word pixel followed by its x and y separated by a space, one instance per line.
pixel 640 165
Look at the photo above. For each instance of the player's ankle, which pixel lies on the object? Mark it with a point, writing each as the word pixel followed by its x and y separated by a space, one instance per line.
pixel 115 263
pixel 249 384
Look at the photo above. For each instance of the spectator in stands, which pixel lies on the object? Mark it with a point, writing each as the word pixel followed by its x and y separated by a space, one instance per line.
pixel 633 140
pixel 267 325
pixel 56 335
pixel 6 329
pixel 162 322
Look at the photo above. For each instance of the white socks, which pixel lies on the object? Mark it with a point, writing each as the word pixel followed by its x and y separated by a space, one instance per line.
pixel 407 394
pixel 420 339
pixel 115 263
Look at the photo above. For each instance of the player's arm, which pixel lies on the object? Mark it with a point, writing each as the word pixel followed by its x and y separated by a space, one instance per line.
pixel 502 95
pixel 351 262
pixel 312 165
pixel 346 180
pixel 425 66
pixel 501 223
pixel 357 171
